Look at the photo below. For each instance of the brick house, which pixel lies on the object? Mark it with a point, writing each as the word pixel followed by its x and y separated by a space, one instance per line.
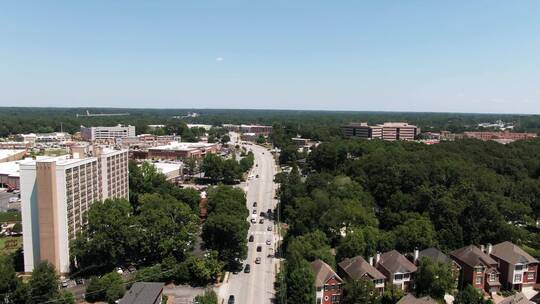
pixel 328 284
pixel 357 268
pixel 518 269
pixel 477 268
pixel 397 268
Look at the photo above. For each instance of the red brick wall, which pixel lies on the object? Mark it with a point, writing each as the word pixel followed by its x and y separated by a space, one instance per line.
pixel 327 295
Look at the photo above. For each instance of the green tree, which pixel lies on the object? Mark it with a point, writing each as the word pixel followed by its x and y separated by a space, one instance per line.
pixel 212 166
pixel 225 139
pixel 391 294
pixel 470 295
pixel 415 233
pixel 300 282
pixel 359 292
pixel 9 282
pixel 209 297
pixel 351 245
pixel 108 288
pixel 261 139
pixel 434 278
pixel 43 283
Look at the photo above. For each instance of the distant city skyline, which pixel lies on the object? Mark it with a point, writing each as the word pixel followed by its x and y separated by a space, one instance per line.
pixel 411 56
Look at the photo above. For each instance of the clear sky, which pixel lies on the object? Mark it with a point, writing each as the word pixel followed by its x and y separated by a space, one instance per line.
pixel 459 56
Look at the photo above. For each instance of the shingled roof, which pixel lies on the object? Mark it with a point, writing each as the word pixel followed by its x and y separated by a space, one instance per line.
pixel 434 254
pixel 512 254
pixel 473 256
pixel 410 299
pixel 323 273
pixel 395 262
pixel 357 267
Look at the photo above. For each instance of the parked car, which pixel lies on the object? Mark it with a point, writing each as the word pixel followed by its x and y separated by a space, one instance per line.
pixel 259 248
pixel 254 211
pixel 253 220
pixel 231 300
pixel 268 242
pixel 257 176
pixel 269 211
pixel 247 269
pixel 251 238
pixel 261 221
pixel 254 204
pixel 258 260
pixel 262 214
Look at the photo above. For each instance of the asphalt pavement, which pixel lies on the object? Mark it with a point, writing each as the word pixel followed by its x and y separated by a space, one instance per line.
pixel 258 285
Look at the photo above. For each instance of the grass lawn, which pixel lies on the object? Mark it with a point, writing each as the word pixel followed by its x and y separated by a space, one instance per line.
pixel 10 216
pixel 9 244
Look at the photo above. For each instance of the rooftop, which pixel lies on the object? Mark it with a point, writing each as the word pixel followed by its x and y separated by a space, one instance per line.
pixel 183 146
pixel 323 272
pixel 8 152
pixel 473 256
pixel 395 262
pixel 10 168
pixel 512 253
pixel 142 293
pixel 357 267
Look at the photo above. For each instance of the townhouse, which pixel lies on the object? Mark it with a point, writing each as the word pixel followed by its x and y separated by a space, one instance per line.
pixel 477 268
pixel 397 268
pixel 518 269
pixel 438 256
pixel 358 268
pixel 328 284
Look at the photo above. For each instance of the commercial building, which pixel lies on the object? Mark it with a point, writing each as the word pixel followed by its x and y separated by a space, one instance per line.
pixel 257 129
pixel 56 193
pixel 171 170
pixel 386 131
pixel 107 134
pixel 9 175
pixel 7 155
pixel 53 137
pixel 504 136
pixel 180 150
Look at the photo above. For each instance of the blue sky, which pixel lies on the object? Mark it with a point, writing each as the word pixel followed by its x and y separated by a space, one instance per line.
pixel 458 56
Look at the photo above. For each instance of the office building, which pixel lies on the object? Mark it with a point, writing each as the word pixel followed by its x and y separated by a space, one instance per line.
pixel 56 193
pixel 180 150
pixel 107 134
pixel 386 131
pixel 54 137
pixel 7 155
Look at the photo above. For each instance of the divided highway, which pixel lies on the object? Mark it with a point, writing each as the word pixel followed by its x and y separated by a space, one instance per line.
pixel 257 286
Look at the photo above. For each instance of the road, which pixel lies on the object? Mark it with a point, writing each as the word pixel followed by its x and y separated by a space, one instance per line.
pixel 258 285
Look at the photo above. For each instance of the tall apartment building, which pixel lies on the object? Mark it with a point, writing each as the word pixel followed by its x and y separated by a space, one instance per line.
pixel 56 192
pixel 386 131
pixel 107 133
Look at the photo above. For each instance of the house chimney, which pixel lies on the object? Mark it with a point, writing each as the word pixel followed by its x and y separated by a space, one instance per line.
pixel 482 248
pixel 416 254
pixel 371 261
pixel 489 248
pixel 377 258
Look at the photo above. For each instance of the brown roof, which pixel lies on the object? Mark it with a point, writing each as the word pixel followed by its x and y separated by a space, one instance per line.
pixel 473 256
pixel 357 267
pixel 410 299
pixel 394 262
pixel 518 298
pixel 323 273
pixel 434 254
pixel 512 254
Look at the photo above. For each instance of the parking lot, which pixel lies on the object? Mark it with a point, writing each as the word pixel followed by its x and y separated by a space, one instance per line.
pixel 4 201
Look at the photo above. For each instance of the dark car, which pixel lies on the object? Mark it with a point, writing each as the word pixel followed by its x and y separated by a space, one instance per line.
pixel 251 238
pixel 269 211
pixel 254 211
pixel 261 221
pixel 231 300
pixel 257 176
pixel 259 248
pixel 262 214
pixel 254 204
pixel 247 269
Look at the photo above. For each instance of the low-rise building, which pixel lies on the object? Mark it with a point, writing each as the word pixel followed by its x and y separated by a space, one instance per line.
pixel 411 299
pixel 358 268
pixel 53 137
pixel 397 269
pixel 477 268
pixel 144 293
pixel 387 131
pixel 181 150
pixel 328 284
pixel 107 134
pixel 518 269
pixel 170 170
pixel 9 175
pixel 7 155
pixel 502 137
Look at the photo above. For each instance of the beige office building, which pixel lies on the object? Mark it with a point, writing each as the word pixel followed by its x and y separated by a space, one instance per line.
pixel 56 192
pixel 386 131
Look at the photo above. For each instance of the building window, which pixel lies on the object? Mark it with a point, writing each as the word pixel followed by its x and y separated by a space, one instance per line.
pixel 398 277
pixel 493 277
pixel 517 278
pixel 325 287
pixel 478 280
pixel 530 276
pixel 335 298
pixel 319 301
pixel 519 267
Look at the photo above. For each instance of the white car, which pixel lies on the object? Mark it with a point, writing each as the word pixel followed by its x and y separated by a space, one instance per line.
pixel 268 242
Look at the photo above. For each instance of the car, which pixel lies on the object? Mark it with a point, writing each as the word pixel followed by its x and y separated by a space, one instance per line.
pixel 253 220
pixel 268 242
pixel 13 199
pixel 231 300
pixel 254 211
pixel 269 228
pixel 79 281
pixel 257 176
pixel 251 238
pixel 262 214
pixel 259 248
pixel 247 269
pixel 65 283
pixel 258 260
pixel 269 211
pixel 254 204
pixel 261 221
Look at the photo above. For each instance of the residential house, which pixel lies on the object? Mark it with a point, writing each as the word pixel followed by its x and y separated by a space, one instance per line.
pixel 518 268
pixel 518 298
pixel 328 284
pixel 477 268
pixel 358 268
pixel 144 293
pixel 411 299
pixel 397 269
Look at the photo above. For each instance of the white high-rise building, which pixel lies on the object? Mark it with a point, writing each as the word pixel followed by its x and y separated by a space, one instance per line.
pixel 56 193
